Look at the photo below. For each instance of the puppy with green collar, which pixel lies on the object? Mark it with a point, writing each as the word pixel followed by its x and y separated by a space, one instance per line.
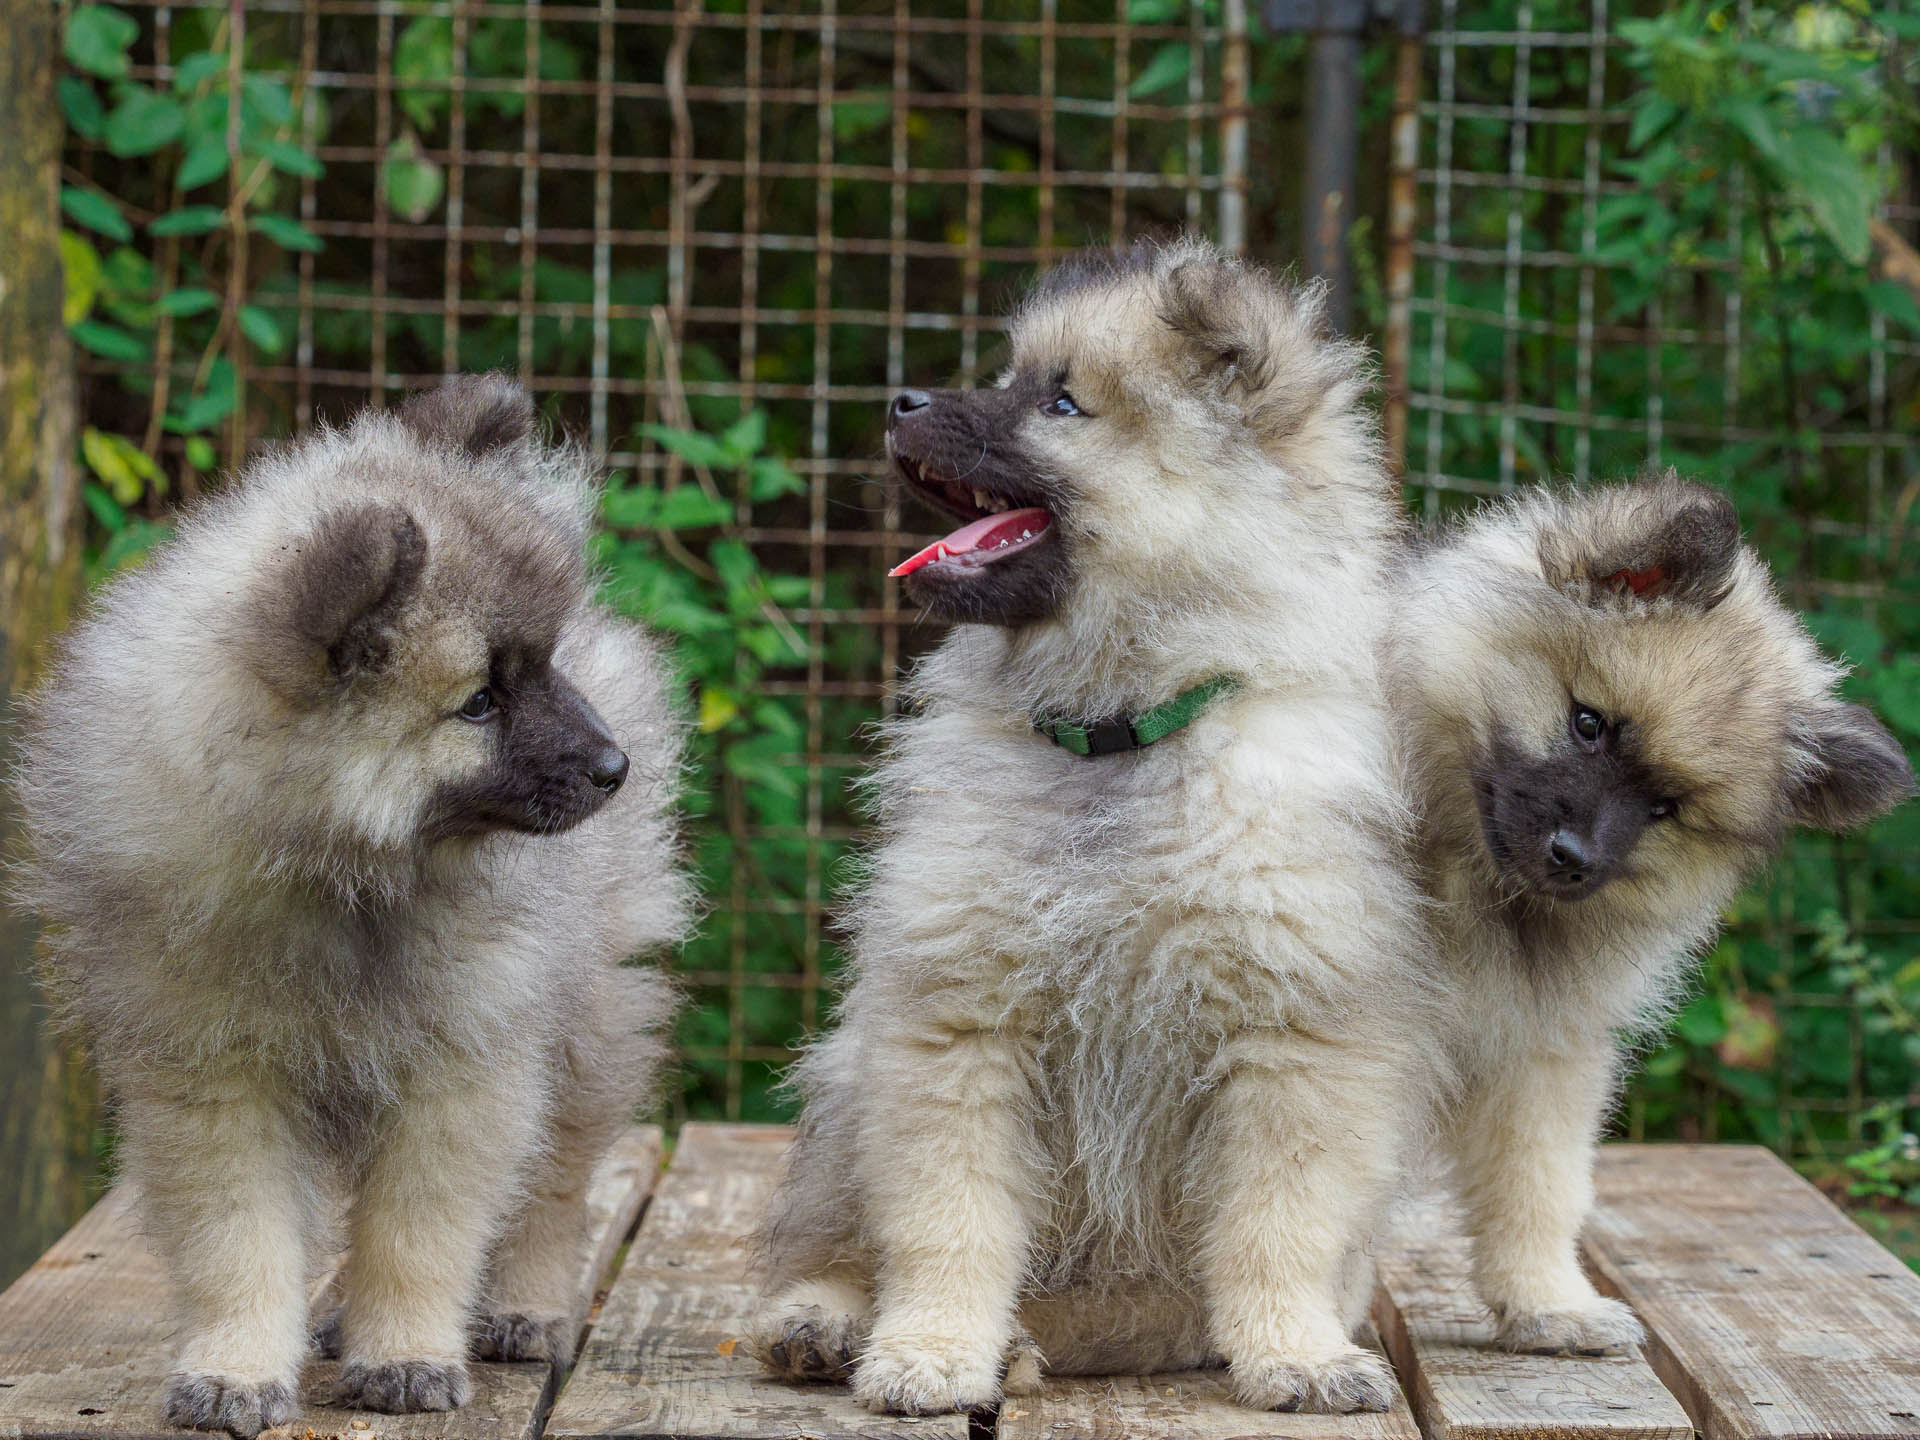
pixel 1134 1044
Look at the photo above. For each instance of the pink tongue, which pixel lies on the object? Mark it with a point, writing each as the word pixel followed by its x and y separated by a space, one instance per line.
pixel 984 534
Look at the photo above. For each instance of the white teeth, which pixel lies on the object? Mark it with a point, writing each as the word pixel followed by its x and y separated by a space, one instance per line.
pixel 1026 534
pixel 981 499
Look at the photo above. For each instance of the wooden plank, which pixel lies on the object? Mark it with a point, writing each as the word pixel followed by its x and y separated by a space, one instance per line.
pixel 1770 1314
pixel 1463 1388
pixel 1193 1405
pixel 85 1348
pixel 665 1359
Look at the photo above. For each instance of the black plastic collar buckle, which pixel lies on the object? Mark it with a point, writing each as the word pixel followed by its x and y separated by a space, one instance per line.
pixel 1110 737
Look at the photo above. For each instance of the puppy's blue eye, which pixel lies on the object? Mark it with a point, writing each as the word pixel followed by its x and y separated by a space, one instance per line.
pixel 1061 404
pixel 1662 809
pixel 480 705
pixel 1587 725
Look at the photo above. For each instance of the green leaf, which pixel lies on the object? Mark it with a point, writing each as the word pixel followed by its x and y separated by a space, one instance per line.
pixel 80 103
pixel 287 232
pixel 110 342
pixel 123 467
pixel 98 37
pixel 746 435
pixel 688 507
pixel 1155 12
pixel 188 220
pixel 206 160
pixel 1702 1022
pixel 267 99
pixel 80 264
pixel 1896 302
pixel 630 507
pixel 288 158
pixel 424 53
pixel 1169 66
pixel 689 445
pixel 197 68
pixel 144 121
pixel 131 544
pixel 262 329
pixel 1652 114
pixel 95 211
pixel 1823 174
pixel 412 183
pixel 200 452
pixel 854 118
pixel 105 508
pixel 202 411
pixel 191 301
pixel 768 478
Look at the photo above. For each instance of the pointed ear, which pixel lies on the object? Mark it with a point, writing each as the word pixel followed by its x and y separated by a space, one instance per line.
pixel 474 413
pixel 1215 307
pixel 1676 541
pixel 334 599
pixel 1858 770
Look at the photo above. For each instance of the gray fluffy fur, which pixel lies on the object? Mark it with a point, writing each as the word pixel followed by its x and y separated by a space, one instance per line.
pixel 294 998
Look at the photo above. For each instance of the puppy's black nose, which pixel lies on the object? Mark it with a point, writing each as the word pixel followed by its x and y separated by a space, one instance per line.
pixel 908 401
pixel 1568 855
pixel 608 770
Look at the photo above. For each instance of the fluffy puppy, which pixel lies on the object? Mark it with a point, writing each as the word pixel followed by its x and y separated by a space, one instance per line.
pixel 1615 721
pixel 344 812
pixel 1132 1048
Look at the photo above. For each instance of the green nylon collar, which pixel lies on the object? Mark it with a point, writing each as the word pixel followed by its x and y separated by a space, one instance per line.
pixel 1136 732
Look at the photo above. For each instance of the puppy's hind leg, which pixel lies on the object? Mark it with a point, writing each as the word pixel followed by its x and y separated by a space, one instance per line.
pixel 1523 1150
pixel 816 1329
pixel 431 1202
pixel 534 1298
pixel 227 1206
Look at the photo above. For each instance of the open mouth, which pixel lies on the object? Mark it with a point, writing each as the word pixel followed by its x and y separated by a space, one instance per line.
pixel 998 526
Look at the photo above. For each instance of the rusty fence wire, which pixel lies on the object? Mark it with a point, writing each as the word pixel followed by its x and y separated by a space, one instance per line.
pixel 1526 343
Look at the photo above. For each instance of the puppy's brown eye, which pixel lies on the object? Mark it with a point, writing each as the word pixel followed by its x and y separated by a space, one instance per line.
pixel 1588 725
pixel 1061 404
pixel 1663 809
pixel 480 706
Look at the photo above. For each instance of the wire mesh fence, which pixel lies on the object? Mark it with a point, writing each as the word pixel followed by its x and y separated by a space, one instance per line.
pixel 1549 334
pixel 713 236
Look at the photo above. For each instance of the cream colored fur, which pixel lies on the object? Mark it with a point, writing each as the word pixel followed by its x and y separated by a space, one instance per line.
pixel 1134 1047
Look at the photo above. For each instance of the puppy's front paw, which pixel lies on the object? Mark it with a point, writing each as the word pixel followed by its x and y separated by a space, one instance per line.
pixel 513 1335
pixel 220 1402
pixel 1352 1379
pixel 1597 1327
pixel 926 1375
pixel 401 1386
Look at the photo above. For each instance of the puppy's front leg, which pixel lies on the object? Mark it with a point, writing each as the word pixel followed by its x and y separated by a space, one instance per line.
pixel 227 1205
pixel 1299 1151
pixel 1523 1146
pixel 948 1168
pixel 431 1203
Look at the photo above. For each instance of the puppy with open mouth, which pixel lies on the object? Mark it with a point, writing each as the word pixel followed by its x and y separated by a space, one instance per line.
pixel 1132 1046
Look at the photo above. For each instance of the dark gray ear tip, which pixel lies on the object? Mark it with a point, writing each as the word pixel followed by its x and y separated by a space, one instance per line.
pixel 474 413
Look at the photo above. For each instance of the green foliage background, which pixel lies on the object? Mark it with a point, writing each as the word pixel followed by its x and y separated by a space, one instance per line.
pixel 1758 150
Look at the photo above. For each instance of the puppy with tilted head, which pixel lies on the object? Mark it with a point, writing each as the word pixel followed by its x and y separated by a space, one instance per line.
pixel 1614 721
pixel 344 812
pixel 1132 1049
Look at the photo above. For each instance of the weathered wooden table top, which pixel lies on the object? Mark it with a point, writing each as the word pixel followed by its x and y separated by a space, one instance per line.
pixel 1771 1317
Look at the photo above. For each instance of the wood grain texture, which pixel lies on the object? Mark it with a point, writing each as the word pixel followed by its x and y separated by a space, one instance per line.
pixel 1770 1313
pixel 1193 1405
pixel 85 1345
pixel 663 1360
pixel 1463 1388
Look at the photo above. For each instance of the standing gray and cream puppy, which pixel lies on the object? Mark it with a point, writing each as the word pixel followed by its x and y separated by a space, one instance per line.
pixel 1133 1047
pixel 345 811
pixel 1614 722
